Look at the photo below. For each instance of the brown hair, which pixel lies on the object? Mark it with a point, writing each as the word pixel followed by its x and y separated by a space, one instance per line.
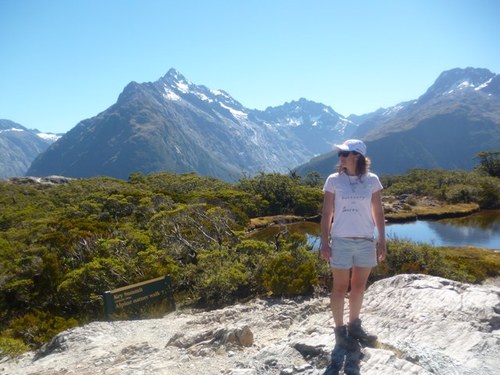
pixel 362 165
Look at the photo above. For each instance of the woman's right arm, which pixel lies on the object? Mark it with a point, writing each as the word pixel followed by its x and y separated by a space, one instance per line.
pixel 326 223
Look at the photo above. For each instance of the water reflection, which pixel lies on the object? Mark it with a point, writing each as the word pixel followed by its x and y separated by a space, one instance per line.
pixel 481 229
pixel 459 234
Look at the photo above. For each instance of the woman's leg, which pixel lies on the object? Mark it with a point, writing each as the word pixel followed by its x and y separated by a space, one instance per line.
pixel 359 279
pixel 340 285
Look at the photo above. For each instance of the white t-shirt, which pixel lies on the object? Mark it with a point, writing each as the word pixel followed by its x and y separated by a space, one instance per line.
pixel 353 214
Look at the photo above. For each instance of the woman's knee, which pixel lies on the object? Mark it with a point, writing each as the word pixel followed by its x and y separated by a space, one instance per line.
pixel 357 288
pixel 360 278
pixel 340 287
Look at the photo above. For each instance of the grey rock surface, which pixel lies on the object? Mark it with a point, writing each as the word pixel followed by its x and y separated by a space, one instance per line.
pixel 425 325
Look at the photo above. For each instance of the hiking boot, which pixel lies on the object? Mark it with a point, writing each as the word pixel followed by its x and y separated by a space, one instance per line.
pixel 344 341
pixel 356 332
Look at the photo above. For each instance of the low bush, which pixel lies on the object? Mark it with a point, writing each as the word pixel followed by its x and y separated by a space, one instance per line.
pixel 460 264
pixel 62 246
pixel 36 328
pixel 12 347
pixel 290 273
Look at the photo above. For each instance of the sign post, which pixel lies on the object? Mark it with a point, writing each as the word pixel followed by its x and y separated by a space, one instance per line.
pixel 138 294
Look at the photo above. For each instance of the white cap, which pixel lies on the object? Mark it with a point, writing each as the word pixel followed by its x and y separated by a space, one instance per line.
pixel 352 145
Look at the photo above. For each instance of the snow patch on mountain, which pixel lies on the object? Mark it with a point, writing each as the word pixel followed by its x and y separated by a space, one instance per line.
pixel 12 130
pixel 49 136
pixel 220 93
pixel 294 121
pixel 203 97
pixel 170 95
pixel 393 110
pixel 343 125
pixel 182 87
pixel 464 84
pixel 45 136
pixel 238 114
pixel 483 85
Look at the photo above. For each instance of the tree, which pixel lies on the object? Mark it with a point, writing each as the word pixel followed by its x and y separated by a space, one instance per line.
pixel 489 162
pixel 283 194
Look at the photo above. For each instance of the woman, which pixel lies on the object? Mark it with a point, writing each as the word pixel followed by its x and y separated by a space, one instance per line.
pixel 352 207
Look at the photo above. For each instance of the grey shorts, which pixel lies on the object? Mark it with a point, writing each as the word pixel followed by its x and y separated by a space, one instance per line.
pixel 353 252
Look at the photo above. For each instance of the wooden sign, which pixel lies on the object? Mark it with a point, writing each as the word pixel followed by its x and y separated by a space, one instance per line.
pixel 138 294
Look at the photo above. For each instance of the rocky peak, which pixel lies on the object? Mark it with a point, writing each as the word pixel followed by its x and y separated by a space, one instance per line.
pixel 130 91
pixel 456 77
pixel 175 86
pixel 458 80
pixel 174 75
pixel 302 109
pixel 173 78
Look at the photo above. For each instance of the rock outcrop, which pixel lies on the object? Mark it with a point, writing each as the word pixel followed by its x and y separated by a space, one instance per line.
pixel 425 325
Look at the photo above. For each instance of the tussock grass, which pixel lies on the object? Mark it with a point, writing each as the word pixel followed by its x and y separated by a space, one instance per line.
pixel 264 221
pixel 478 263
pixel 432 212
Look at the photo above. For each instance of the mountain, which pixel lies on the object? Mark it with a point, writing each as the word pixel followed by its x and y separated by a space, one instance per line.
pixel 19 146
pixel 177 126
pixel 445 128
pixel 315 124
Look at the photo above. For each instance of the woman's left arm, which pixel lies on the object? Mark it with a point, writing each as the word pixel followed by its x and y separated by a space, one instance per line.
pixel 379 218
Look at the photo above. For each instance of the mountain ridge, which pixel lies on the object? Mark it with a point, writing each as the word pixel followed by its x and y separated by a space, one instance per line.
pixel 177 126
pixel 445 128
pixel 19 146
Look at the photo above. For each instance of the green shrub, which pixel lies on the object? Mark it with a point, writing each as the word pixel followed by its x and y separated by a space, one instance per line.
pixel 37 327
pixel 462 194
pixel 290 273
pixel 220 276
pixel 489 196
pixel 409 257
pixel 81 288
pixel 282 194
pixel 62 246
pixel 12 347
pixel 450 186
pixel 470 265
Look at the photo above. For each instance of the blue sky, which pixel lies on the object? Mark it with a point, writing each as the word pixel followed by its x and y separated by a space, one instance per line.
pixel 62 61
